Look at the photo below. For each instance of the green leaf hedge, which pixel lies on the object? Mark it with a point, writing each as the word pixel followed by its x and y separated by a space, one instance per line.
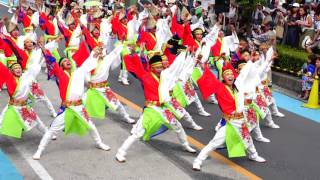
pixel 290 60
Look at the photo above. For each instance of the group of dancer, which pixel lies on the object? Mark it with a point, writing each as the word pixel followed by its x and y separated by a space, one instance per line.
pixel 163 50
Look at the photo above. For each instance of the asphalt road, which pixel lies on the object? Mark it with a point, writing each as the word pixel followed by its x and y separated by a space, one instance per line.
pixel 292 153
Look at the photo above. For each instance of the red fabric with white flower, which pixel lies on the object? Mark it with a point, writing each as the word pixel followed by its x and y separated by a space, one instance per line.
pixel 190 92
pixel 110 95
pixel 28 115
pixel 36 91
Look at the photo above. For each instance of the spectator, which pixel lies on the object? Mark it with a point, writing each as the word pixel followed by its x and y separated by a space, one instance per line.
pixel 267 16
pixel 279 23
pixel 258 15
pixel 306 24
pixel 314 43
pixel 308 69
pixel 292 36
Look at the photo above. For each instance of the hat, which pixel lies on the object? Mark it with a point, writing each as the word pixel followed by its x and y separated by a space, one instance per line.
pixel 69 19
pixel 152 23
pixel 297 5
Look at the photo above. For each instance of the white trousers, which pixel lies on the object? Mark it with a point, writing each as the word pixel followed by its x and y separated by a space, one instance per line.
pixel 58 125
pixel 138 131
pixel 219 140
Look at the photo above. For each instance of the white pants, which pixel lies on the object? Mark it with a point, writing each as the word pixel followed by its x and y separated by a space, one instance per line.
pixel 58 125
pixel 219 140
pixel 138 131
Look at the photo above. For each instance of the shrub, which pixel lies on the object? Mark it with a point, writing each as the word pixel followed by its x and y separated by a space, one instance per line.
pixel 290 59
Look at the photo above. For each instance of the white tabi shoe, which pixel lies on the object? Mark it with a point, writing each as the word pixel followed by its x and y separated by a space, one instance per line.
pixel 197 127
pixel 204 113
pixel 54 115
pixel 262 139
pixel 279 114
pixel 121 157
pixel 54 137
pixel 189 149
pixel 37 155
pixel 130 120
pixel 196 166
pixel 125 81
pixel 103 146
pixel 257 158
pixel 273 126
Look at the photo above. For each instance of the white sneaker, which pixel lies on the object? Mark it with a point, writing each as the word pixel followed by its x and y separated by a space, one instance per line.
pixel 273 126
pixel 189 149
pixel 10 10
pixel 262 139
pixel 197 127
pixel 120 157
pixel 204 113
pixel 278 114
pixel 103 146
pixel 196 166
pixel 37 155
pixel 257 159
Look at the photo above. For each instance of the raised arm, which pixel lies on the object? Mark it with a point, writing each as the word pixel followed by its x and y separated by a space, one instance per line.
pixel 22 56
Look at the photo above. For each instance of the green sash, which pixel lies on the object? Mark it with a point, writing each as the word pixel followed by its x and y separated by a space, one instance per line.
pixel 75 123
pixel 234 142
pixel 12 124
pixel 179 94
pixel 152 121
pixel 196 75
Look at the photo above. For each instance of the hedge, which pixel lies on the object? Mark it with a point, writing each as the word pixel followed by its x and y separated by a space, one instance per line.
pixel 290 59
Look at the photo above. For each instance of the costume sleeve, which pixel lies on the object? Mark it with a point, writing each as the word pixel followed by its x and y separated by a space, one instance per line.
pixel 90 41
pixel 81 55
pixel 170 76
pixel 89 64
pixel 134 65
pixel 22 56
pixel 65 32
pixel 177 28
pixel 5 74
pixel 209 84
pixel 23 18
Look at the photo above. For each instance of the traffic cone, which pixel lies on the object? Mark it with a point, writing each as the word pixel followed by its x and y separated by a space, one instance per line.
pixel 313 101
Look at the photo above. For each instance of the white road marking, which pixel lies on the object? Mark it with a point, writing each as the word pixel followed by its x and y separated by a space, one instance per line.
pixel 35 165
